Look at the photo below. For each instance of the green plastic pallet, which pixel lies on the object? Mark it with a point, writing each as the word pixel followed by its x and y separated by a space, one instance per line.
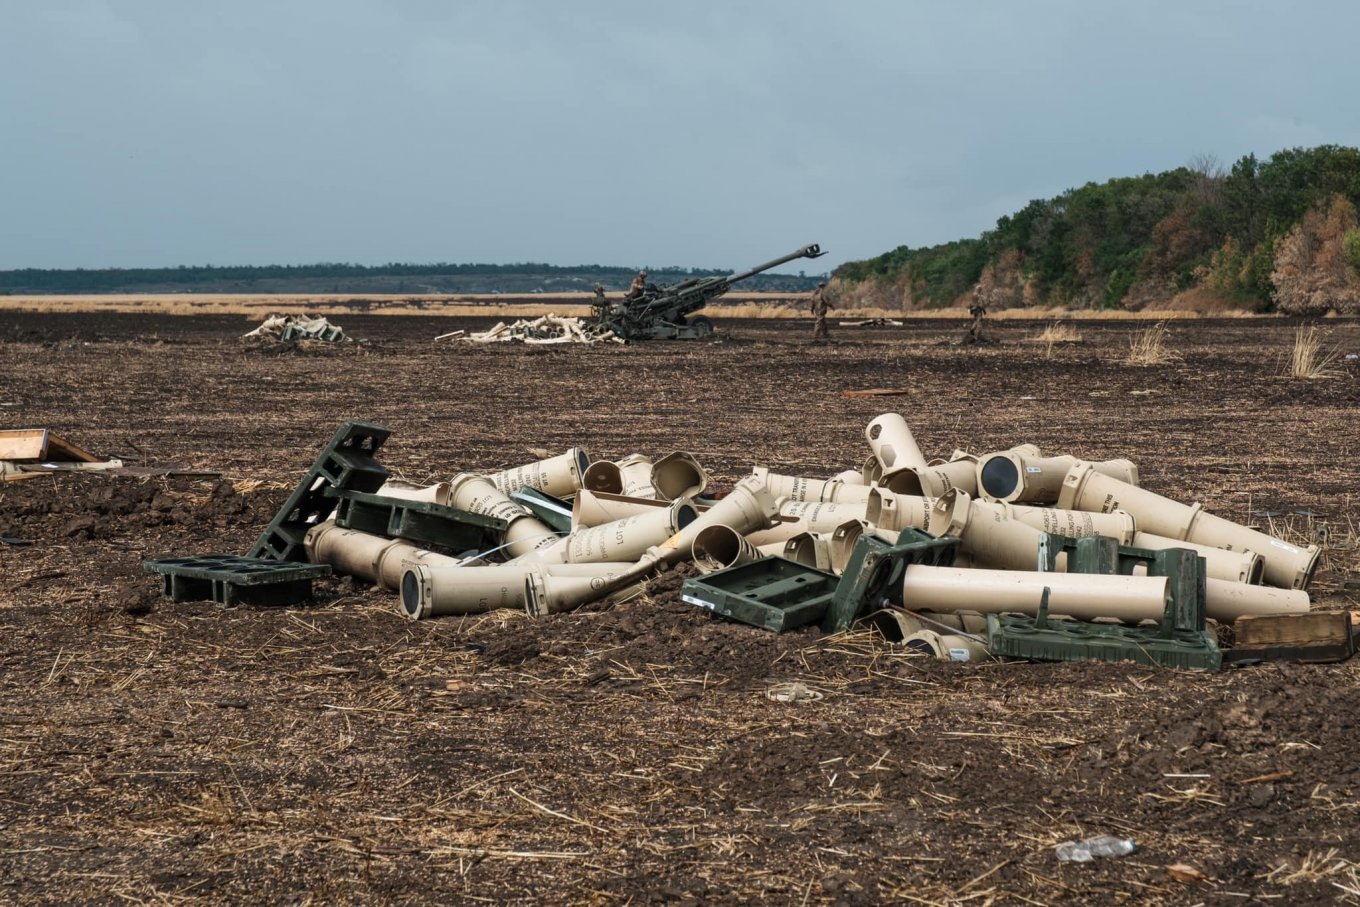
pixel 1040 639
pixel 419 521
pixel 771 593
pixel 346 464
pixel 875 569
pixel 231 580
pixel 1183 568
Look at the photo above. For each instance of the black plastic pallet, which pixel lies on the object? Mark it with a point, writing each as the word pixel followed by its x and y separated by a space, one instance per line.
pixel 345 464
pixel 231 580
pixel 418 521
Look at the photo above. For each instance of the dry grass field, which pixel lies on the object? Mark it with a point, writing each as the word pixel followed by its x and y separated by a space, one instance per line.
pixel 157 752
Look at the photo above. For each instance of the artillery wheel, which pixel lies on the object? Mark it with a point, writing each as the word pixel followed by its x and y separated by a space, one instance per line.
pixel 701 326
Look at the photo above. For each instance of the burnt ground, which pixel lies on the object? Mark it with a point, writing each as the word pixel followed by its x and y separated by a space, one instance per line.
pixel 153 751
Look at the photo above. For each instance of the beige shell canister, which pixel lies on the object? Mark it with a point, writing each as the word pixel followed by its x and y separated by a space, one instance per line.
pixel 591 508
pixel 478 494
pixel 896 512
pixel 1082 595
pixel 1286 566
pixel 718 547
pixel 1077 524
pixel 985 532
pixel 748 507
pixel 1014 477
pixel 892 442
pixel 559 476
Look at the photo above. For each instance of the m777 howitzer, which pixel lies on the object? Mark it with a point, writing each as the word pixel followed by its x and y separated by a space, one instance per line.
pixel 663 313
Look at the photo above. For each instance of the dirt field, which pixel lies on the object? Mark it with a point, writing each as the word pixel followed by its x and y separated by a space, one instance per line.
pixel 155 752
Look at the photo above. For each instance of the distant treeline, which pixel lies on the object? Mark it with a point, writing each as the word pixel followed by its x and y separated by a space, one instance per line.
pixel 340 278
pixel 1274 234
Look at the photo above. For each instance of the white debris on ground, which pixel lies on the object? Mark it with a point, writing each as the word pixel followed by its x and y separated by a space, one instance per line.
pixel 545 330
pixel 286 328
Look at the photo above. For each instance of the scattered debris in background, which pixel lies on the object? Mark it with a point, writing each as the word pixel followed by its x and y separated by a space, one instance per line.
pixel 545 329
pixel 26 453
pixel 291 328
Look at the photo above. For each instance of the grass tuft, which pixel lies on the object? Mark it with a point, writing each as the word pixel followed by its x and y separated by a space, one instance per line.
pixel 1148 347
pixel 1309 358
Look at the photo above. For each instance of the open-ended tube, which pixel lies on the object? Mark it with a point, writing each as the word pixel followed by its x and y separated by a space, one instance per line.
pixel 591 508
pixel 1286 565
pixel 1082 595
pixel 603 476
pixel 1015 477
pixel 718 547
pixel 1219 563
pixel 887 510
pixel 621 540
pixel 1077 524
pixel 678 475
pixel 559 476
pixel 892 443
pixel 524 532
pixel 439 590
pixel 435 494
pixel 935 479
pixel 985 532
pixel 369 557
pixel 798 488
pixel 811 549
pixel 829 551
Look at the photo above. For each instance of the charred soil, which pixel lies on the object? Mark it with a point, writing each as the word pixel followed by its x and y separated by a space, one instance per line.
pixel 153 750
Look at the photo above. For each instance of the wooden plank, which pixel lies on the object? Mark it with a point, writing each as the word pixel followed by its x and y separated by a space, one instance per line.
pixel 1323 628
pixel 23 443
pixel 875 392
pixel 62 451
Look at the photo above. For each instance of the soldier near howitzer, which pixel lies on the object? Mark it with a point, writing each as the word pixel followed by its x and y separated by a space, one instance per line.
pixel 820 305
pixel 638 287
pixel 979 312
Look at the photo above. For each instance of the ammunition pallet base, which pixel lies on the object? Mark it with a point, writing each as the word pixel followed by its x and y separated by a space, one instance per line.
pixel 419 521
pixel 1081 640
pixel 230 580
pixel 1183 568
pixel 771 593
pixel 346 464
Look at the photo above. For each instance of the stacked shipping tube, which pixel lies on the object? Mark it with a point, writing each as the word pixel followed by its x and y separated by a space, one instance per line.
pixel 634 517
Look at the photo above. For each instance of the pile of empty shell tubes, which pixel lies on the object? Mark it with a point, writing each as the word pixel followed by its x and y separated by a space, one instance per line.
pixel 633 518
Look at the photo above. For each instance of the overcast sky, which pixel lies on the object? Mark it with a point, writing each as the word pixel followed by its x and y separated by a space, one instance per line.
pixel 710 134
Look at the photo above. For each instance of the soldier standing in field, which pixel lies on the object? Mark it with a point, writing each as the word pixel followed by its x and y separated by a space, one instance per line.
pixel 979 312
pixel 821 304
pixel 638 286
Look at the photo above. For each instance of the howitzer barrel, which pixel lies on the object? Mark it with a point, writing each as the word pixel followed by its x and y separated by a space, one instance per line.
pixel 812 251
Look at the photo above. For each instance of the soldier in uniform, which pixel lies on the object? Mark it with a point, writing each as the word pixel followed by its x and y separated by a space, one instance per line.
pixel 638 286
pixel 821 304
pixel 599 301
pixel 979 312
